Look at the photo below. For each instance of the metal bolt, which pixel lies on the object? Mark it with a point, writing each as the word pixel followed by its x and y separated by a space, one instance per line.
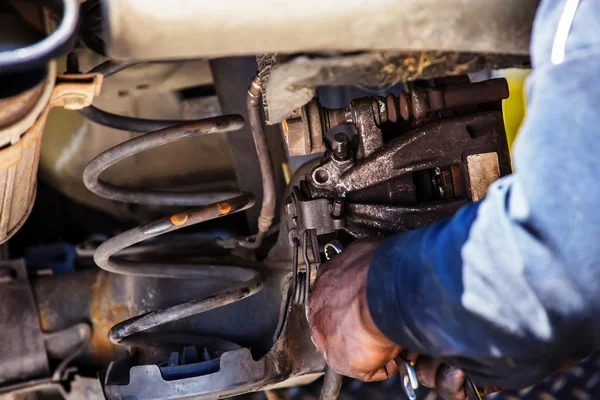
pixel 340 146
pixel 74 101
pixel 337 208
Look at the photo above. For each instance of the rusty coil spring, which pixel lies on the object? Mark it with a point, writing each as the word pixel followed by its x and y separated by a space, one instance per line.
pixel 110 255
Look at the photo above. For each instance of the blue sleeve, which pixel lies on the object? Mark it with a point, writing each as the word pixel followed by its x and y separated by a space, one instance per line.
pixel 509 288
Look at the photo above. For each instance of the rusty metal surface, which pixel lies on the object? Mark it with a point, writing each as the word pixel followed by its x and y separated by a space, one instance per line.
pixel 76 91
pixel 20 158
pixel 100 299
pixel 303 133
pixel 322 26
pixel 291 83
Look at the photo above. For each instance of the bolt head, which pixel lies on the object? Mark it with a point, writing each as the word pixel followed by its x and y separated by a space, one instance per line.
pixel 340 145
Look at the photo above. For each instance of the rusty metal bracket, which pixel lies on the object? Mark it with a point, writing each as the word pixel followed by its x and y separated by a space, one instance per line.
pixel 76 91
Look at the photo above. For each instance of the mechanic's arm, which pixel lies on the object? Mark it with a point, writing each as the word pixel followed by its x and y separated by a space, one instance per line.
pixel 509 288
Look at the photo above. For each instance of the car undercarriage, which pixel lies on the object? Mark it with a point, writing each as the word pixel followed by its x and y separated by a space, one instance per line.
pixel 175 172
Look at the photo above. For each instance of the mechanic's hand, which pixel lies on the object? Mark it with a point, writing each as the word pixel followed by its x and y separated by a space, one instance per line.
pixel 343 330
pixel 447 380
pixel 342 327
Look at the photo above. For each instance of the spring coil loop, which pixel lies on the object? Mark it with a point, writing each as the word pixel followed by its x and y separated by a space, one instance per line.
pixel 107 256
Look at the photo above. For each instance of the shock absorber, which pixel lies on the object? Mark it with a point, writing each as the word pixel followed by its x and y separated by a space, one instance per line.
pixel 110 255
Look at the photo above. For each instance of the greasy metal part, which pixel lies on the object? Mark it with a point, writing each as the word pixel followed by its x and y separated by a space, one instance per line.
pixel 23 351
pixel 368 114
pixel 332 385
pixel 269 196
pixel 248 28
pixel 314 214
pixel 462 136
pixel 304 133
pixel 292 361
pixel 76 91
pixel 340 145
pixel 293 83
pixel 53 46
pixel 394 218
pixel 365 112
pixel 424 101
pixel 91 175
pixel 442 151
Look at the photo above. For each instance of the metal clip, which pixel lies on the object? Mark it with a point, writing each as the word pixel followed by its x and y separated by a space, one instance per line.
pixel 76 91
pixel 408 376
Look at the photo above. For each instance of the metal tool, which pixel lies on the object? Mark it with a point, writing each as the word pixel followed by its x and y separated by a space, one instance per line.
pixel 332 248
pixel 333 381
pixel 408 377
pixel 471 389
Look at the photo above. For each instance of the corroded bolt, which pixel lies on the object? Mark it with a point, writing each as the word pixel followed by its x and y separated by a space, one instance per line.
pixel 340 146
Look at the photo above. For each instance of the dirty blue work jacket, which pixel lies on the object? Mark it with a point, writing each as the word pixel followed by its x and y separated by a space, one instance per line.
pixel 509 288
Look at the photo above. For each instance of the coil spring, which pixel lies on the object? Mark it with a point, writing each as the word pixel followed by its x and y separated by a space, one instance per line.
pixel 249 281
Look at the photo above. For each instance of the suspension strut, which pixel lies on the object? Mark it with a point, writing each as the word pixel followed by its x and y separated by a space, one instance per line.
pixel 109 255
